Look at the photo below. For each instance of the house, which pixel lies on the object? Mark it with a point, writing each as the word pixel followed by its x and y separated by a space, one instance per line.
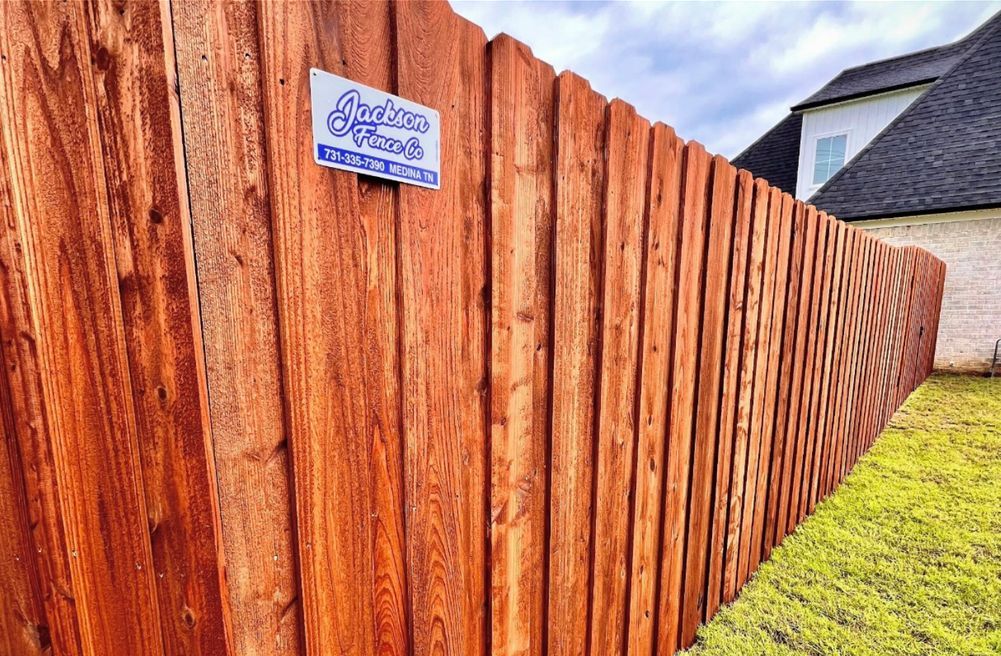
pixel 910 148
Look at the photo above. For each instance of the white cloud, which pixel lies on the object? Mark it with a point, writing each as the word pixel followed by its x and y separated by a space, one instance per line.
pixel 720 72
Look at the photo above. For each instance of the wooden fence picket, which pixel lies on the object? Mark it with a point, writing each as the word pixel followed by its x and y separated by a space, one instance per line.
pixel 521 233
pixel 579 180
pixel 706 434
pixel 657 347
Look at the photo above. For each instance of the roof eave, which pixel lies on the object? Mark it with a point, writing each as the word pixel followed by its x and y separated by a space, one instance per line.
pixel 803 106
pixel 873 216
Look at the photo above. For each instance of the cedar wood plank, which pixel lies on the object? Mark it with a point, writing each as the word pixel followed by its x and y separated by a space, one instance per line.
pixel 879 272
pixel 807 434
pixel 784 221
pixel 898 291
pixel 848 359
pixel 771 209
pixel 902 356
pixel 854 355
pixel 881 267
pixel 694 213
pixel 334 241
pixel 62 222
pixel 816 365
pixel 657 341
pixel 883 275
pixel 367 37
pixel 441 63
pixel 829 329
pixel 521 224
pixel 730 390
pixel 792 463
pixel 749 351
pixel 580 137
pixel 866 345
pixel 626 152
pixel 782 447
pixel 888 289
pixel 845 341
pixel 28 428
pixel 848 337
pixel 884 280
pixel 715 286
pixel 219 69
pixel 138 113
pixel 835 371
pixel 23 629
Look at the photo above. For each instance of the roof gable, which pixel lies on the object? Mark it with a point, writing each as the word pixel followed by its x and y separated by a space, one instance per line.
pixel 895 73
pixel 942 153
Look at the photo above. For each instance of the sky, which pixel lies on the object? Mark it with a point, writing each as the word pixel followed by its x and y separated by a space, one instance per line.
pixel 721 73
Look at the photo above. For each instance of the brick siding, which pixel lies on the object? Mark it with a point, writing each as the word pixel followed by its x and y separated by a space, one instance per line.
pixel 971 307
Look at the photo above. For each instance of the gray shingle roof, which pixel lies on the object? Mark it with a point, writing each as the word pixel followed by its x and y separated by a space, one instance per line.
pixel 775 156
pixel 942 153
pixel 900 72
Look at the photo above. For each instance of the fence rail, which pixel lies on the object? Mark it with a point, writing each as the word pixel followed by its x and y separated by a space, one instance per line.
pixel 564 405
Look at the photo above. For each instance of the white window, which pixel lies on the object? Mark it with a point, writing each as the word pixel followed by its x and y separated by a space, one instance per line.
pixel 830 156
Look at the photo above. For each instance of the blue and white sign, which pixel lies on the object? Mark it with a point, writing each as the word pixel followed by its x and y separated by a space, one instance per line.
pixel 361 129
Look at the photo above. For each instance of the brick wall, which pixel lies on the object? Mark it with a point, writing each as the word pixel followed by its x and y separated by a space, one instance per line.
pixel 971 307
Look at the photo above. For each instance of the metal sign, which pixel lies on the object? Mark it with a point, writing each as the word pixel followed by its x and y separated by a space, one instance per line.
pixel 361 129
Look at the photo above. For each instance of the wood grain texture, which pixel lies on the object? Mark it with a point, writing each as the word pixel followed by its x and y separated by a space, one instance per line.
pixel 23 629
pixel 897 287
pixel 815 370
pixel 579 180
pixel 804 433
pixel 784 433
pixel 138 114
pixel 335 254
pixel 626 151
pixel 732 361
pixel 767 207
pixel 789 296
pixel 848 344
pixel 826 373
pixel 792 464
pixel 656 354
pixel 564 405
pixel 691 263
pixel 219 70
pixel 23 380
pixel 61 227
pixel 869 264
pixel 715 285
pixel 837 369
pixel 758 205
pixel 877 267
pixel 521 238
pixel 886 285
pixel 441 63
pixel 783 224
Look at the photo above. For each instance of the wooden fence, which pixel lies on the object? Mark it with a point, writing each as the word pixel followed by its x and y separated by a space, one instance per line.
pixel 565 405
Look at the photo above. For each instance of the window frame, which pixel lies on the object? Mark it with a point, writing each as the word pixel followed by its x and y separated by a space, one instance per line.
pixel 847 134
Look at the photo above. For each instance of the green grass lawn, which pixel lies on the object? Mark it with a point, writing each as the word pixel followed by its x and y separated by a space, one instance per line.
pixel 905 558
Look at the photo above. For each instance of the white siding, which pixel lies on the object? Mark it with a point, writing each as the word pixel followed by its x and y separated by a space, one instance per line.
pixel 861 119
